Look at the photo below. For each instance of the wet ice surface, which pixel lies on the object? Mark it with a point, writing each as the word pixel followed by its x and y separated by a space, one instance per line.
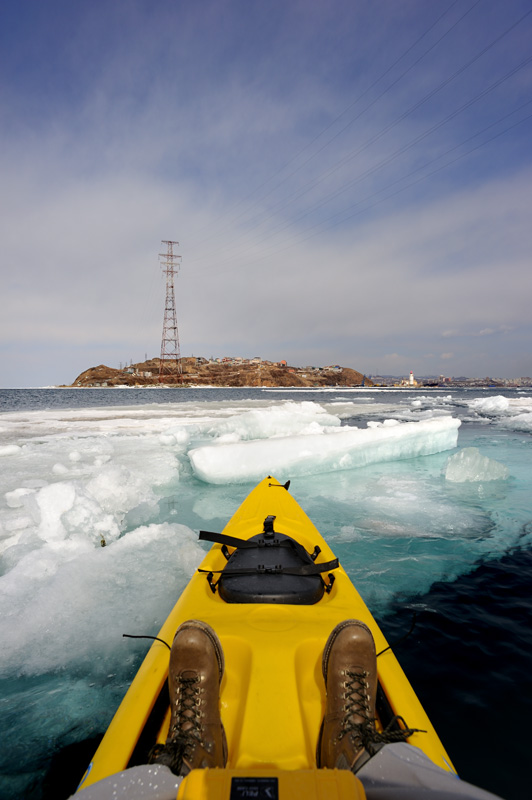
pixel 125 476
pixel 470 465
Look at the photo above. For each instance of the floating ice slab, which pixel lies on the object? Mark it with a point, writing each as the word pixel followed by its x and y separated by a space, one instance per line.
pixel 513 413
pixel 10 450
pixel 335 449
pixel 470 465
pixel 490 405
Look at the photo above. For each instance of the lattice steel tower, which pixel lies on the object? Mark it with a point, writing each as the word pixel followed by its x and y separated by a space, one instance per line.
pixel 170 341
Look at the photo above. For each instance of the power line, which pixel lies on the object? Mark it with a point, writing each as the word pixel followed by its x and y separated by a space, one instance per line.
pixel 401 150
pixel 373 102
pixel 330 221
pixel 343 162
pixel 398 152
pixel 343 113
pixel 389 159
pixel 394 194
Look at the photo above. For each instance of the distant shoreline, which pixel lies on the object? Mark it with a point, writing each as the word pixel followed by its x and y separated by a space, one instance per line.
pixel 230 373
pixel 252 373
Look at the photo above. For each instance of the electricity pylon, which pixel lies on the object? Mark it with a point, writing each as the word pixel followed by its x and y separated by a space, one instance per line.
pixel 170 339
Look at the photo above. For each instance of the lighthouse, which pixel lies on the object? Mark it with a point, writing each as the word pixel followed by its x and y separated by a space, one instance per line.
pixel 411 378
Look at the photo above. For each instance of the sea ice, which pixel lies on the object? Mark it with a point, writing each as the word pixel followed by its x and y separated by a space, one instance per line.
pixel 65 602
pixel 288 418
pixel 59 469
pixel 521 422
pixel 15 499
pixel 9 450
pixel 336 449
pixel 118 489
pixel 470 465
pixel 501 406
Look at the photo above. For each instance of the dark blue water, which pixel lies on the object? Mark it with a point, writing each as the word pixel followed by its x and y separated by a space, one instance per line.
pixel 469 659
pixel 35 399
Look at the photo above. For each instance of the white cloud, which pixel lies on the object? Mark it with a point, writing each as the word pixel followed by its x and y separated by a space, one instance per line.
pixel 163 143
pixel 450 333
pixel 493 331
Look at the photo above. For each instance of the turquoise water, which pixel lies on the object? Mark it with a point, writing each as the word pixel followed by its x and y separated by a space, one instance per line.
pixel 79 466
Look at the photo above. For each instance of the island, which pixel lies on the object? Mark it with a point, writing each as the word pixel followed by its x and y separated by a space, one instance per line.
pixel 199 371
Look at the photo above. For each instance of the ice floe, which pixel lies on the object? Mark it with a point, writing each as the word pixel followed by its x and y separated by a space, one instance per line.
pixel 336 449
pixel 469 465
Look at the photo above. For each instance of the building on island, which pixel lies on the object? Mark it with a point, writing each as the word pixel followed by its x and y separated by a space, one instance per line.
pixel 409 382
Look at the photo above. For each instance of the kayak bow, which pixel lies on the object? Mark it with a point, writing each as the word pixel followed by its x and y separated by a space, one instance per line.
pixel 273 605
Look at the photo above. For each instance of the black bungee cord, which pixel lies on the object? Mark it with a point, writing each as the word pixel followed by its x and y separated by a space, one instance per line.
pixel 401 638
pixel 155 638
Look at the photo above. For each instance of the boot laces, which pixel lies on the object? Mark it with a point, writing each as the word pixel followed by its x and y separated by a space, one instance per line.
pixel 364 734
pixel 357 705
pixel 185 731
pixel 187 726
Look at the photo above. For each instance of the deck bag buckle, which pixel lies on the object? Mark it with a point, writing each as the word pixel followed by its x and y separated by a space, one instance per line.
pixel 269 542
pixel 271 570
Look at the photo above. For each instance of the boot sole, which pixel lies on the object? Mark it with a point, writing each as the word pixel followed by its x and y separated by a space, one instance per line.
pixel 318 746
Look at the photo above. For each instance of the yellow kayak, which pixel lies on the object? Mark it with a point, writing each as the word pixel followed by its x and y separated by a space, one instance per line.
pixel 273 608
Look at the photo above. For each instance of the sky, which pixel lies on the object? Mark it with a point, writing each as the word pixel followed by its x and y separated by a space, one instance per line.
pixel 349 181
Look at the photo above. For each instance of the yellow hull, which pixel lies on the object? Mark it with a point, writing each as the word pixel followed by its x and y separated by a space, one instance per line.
pixel 272 692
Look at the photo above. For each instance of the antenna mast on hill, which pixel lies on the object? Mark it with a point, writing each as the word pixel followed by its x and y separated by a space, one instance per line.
pixel 170 340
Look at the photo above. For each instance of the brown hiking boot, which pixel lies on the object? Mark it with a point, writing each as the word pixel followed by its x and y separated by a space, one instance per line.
pixel 196 738
pixel 347 736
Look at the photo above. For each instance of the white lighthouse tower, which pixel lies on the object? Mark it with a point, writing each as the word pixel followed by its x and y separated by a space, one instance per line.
pixel 411 378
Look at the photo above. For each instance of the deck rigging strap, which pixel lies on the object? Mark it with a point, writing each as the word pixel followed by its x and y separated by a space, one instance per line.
pixel 222 538
pixel 246 544
pixel 304 569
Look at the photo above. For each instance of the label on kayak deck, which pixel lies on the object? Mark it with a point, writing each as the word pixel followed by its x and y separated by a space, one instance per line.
pixel 254 789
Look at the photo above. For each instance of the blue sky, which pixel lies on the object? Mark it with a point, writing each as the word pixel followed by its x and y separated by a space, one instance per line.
pixel 349 181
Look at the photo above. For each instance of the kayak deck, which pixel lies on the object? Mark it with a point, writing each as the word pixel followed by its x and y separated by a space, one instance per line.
pixel 272 694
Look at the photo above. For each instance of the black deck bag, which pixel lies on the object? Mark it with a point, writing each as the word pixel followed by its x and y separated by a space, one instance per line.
pixel 269 567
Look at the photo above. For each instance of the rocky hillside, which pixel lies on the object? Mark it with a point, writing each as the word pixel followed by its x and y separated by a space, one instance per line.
pixel 199 372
